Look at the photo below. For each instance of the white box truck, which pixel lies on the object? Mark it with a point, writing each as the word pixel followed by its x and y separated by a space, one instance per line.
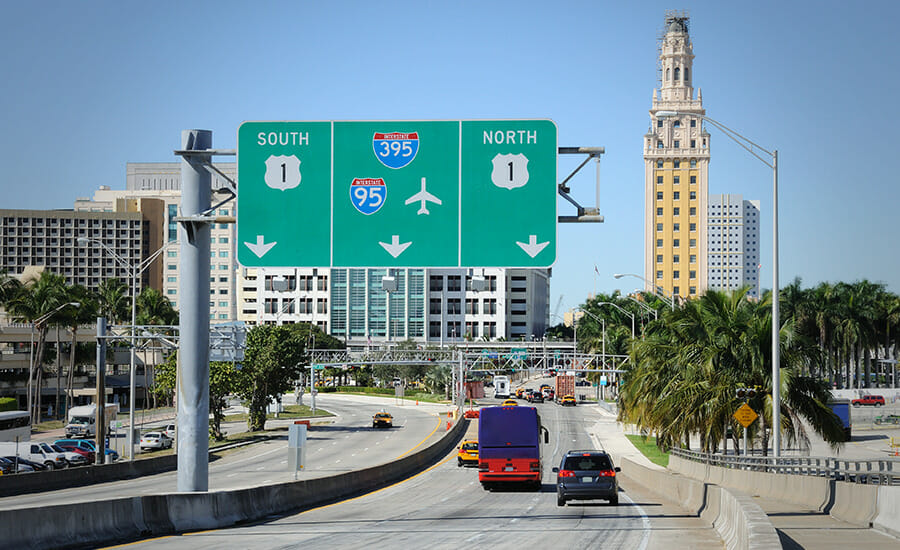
pixel 82 420
pixel 501 387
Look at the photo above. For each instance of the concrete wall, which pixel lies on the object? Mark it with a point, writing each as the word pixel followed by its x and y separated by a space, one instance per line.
pixel 855 503
pixel 740 522
pixel 105 521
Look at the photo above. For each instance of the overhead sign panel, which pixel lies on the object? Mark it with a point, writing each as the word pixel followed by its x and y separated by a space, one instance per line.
pixel 397 194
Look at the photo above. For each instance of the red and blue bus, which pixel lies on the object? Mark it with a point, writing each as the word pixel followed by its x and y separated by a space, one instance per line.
pixel 509 446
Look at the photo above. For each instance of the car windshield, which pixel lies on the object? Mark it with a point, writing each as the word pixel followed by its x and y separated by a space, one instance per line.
pixel 57 448
pixel 81 420
pixel 470 447
pixel 151 434
pixel 579 463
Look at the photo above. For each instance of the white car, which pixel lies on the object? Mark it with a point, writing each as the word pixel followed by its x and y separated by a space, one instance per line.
pixel 169 430
pixel 72 458
pixel 155 440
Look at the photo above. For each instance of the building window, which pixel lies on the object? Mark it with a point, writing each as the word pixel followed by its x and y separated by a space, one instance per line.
pixel 172 253
pixel 676 290
pixel 693 227
pixel 434 306
pixel 693 121
pixel 693 195
pixel 454 306
pixel 454 283
pixel 223 253
pixel 693 163
pixel 171 267
pixel 172 279
pixel 676 163
pixel 676 258
pixel 676 180
pixel 659 145
pixel 693 211
pixel 676 242
pixel 676 124
pixel 659 274
pixel 659 180
pixel 677 144
pixel 693 274
pixel 659 123
pixel 693 243
pixel 434 329
pixel 436 284
pixel 490 306
pixel 659 227
pixel 659 195
pixel 659 211
pixel 659 243
pixel 676 195
pixel 693 143
pixel 676 274
pixel 693 290
pixel 676 227
pixel 659 164
pixel 677 73
pixel 471 306
pixel 676 211
pixel 693 258
pixel 693 180
pixel 659 258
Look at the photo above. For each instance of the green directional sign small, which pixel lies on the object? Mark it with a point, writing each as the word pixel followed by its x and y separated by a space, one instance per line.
pixel 439 193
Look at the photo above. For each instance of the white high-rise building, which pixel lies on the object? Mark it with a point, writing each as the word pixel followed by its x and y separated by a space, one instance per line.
pixel 733 243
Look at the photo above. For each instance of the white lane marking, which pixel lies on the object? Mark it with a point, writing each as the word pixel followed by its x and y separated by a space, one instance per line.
pixel 475 537
pixel 645 523
pixel 231 475
pixel 284 461
pixel 513 520
pixel 336 461
pixel 267 481
pixel 261 468
pixel 366 449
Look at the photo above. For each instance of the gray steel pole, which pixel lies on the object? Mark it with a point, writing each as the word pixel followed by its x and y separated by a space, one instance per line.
pixel 100 411
pixel 193 291
pixel 131 384
pixel 776 340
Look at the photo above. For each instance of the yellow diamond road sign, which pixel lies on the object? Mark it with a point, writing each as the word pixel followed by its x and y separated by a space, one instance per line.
pixel 745 415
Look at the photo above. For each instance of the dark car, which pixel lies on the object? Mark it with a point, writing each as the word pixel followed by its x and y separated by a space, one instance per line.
pixel 9 467
pixel 535 397
pixel 586 475
pixel 36 466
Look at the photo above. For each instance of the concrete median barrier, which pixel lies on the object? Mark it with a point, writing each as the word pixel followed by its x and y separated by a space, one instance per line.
pixel 740 522
pixel 888 518
pixel 124 519
pixel 854 503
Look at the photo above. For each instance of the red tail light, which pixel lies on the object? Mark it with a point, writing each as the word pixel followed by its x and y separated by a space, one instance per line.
pixel 566 473
pixel 535 466
pixel 483 467
pixel 607 473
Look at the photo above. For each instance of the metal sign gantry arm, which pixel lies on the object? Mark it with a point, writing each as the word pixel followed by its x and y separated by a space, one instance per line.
pixel 585 214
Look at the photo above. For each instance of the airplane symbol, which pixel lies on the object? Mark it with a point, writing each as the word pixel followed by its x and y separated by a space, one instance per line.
pixel 422 197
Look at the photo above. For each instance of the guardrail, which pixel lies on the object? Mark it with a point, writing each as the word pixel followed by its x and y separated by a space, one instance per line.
pixel 871 472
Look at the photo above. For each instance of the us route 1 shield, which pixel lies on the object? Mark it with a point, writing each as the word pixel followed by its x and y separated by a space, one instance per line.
pixel 284 175
pixel 508 193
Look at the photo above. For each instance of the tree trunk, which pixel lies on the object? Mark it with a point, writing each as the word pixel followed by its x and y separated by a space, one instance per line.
pixel 70 381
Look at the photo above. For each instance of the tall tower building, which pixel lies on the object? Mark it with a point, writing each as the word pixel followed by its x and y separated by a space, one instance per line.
pixel 676 169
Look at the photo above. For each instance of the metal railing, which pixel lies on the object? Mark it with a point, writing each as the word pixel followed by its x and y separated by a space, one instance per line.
pixel 874 472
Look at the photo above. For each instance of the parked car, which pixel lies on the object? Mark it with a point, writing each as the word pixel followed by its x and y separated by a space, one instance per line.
pixel 6 467
pixel 586 475
pixel 74 458
pixel 36 466
pixel 873 400
pixel 169 430
pixel 90 456
pixel 155 440
pixel 32 450
pixel 87 444
pixel 10 466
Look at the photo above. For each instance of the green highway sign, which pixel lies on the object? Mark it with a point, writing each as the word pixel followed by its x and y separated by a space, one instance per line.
pixel 476 193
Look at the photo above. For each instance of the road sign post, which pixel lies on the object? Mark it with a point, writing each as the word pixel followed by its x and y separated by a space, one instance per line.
pixel 397 194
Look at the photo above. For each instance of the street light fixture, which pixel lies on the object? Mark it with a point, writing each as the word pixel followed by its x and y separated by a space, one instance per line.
pixel 771 160
pixel 625 311
pixel 657 290
pixel 134 272
pixel 39 321
pixel 645 307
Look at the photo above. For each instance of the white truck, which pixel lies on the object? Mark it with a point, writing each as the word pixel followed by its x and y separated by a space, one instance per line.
pixel 34 451
pixel 82 419
pixel 501 387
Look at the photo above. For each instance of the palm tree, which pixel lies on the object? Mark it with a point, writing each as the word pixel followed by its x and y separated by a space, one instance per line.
pixel 113 301
pixel 39 301
pixel 75 317
pixel 154 309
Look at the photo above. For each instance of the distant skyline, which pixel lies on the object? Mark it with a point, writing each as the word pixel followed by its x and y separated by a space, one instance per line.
pixel 91 86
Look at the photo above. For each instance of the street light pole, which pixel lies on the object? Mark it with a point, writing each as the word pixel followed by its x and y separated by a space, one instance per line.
pixel 136 271
pixel 752 148
pixel 657 290
pixel 625 311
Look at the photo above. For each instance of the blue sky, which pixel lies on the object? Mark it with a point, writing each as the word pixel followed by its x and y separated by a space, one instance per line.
pixel 90 86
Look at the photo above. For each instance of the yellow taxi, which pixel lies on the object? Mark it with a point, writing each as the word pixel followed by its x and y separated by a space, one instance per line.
pixel 509 402
pixel 468 453
pixel 520 393
pixel 568 400
pixel 382 419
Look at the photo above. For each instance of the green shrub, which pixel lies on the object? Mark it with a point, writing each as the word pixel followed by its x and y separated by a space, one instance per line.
pixel 8 404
